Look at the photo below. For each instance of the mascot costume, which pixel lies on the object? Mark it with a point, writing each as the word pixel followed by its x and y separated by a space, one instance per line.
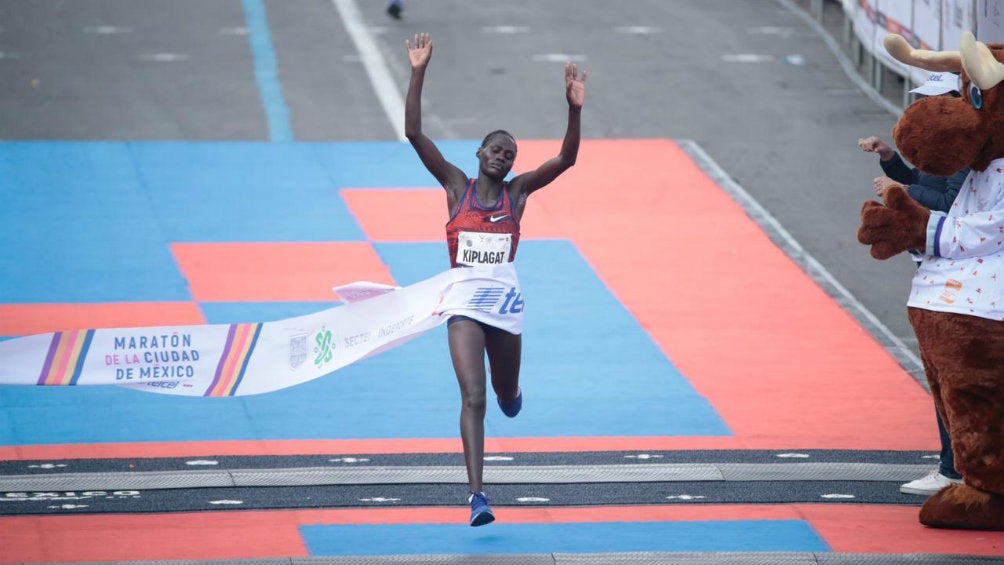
pixel 956 303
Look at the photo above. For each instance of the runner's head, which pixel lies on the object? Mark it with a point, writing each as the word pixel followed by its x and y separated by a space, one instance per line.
pixel 497 154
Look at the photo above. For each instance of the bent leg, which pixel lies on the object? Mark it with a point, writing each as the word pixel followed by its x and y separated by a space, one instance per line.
pixel 504 353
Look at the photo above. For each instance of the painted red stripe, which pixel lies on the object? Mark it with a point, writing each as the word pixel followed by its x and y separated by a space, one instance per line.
pixel 264 534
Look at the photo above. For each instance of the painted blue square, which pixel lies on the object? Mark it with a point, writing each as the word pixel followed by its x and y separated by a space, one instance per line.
pixel 575 538
pixel 55 415
pixel 243 192
pixel 76 226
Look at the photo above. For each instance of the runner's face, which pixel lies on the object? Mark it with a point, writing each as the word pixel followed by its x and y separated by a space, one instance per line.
pixel 497 156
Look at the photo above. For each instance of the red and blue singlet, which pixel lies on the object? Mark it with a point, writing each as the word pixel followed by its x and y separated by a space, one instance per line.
pixel 482 235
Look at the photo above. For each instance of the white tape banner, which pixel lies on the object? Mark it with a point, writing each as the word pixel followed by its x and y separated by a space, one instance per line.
pixel 254 358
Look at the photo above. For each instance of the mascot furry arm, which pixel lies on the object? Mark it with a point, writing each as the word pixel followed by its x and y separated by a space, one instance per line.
pixel 891 229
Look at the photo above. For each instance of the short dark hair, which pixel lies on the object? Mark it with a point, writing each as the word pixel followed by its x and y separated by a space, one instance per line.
pixel 490 135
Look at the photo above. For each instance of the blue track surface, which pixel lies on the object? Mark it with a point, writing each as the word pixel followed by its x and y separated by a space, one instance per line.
pixel 596 537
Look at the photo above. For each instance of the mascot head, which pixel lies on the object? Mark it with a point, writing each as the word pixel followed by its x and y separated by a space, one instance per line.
pixel 942 135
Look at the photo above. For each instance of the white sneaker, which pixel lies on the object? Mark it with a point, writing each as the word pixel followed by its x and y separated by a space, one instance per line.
pixel 928 485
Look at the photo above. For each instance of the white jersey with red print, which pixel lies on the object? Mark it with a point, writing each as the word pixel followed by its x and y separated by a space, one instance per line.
pixel 963 267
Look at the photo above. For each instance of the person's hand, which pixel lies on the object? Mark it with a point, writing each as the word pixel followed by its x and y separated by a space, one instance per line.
pixel 419 53
pixel 575 87
pixel 875 144
pixel 883 184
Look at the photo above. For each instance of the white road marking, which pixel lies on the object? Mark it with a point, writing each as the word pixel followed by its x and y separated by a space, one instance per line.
pixel 747 58
pixel 638 30
pixel 772 30
pixel 107 30
pixel 376 68
pixel 164 57
pixel 505 29
pixel 558 58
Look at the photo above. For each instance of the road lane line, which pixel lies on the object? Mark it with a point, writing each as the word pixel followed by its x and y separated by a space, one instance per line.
pixel 373 61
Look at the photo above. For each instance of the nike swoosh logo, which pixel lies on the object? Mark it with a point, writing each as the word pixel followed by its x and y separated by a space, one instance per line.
pixel 499 218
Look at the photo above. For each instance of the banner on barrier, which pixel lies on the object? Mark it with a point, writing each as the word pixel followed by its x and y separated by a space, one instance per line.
pixel 990 21
pixel 925 24
pixel 957 16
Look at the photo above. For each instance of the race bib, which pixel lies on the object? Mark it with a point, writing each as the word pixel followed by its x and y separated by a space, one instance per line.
pixel 479 248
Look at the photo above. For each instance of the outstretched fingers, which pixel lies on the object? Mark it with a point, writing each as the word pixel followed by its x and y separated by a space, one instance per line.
pixel 575 86
pixel 422 41
pixel 572 73
pixel 420 51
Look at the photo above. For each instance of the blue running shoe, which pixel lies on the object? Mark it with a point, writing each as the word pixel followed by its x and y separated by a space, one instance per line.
pixel 512 407
pixel 481 514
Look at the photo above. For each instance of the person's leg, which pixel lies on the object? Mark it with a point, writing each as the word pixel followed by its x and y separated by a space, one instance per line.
pixel 947 465
pixel 394 8
pixel 945 474
pixel 933 481
pixel 504 354
pixel 467 351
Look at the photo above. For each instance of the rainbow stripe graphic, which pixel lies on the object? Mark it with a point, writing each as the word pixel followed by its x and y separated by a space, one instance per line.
pixel 65 359
pixel 241 340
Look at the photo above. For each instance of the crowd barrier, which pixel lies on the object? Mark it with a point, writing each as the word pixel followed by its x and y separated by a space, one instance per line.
pixel 926 24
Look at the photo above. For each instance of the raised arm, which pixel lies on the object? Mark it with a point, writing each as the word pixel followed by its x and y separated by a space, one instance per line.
pixel 575 93
pixel 448 175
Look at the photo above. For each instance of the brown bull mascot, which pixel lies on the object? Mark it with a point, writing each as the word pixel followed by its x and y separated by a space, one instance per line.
pixel 956 303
